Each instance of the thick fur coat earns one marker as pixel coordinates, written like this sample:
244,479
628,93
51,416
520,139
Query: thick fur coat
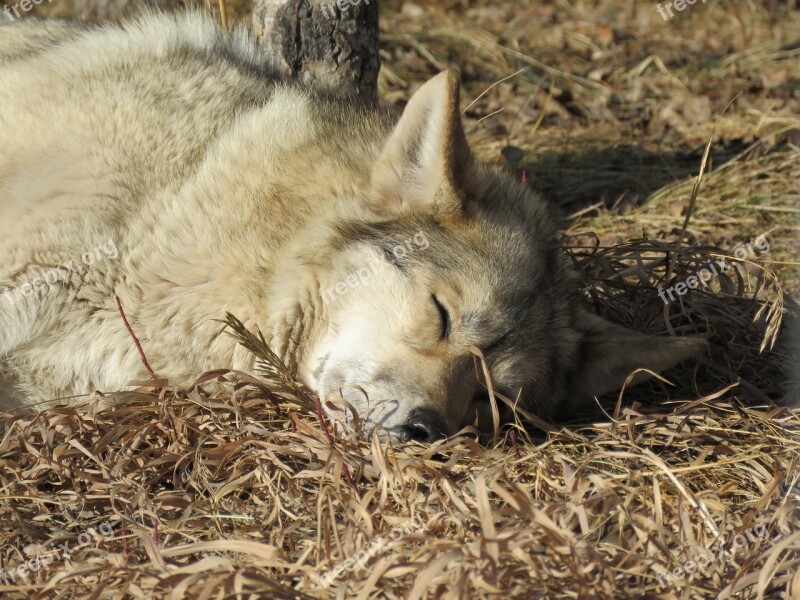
374,251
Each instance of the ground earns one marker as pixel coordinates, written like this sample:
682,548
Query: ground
607,109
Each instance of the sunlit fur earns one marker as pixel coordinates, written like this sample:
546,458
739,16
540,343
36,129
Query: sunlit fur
226,188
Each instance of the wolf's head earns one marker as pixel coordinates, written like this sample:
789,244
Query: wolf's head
456,256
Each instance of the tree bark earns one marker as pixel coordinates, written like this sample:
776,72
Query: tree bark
321,44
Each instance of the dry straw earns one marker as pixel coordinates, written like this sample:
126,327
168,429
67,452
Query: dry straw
237,489
243,490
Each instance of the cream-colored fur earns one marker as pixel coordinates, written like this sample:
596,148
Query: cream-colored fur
226,188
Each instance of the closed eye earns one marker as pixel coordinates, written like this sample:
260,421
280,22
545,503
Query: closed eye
444,317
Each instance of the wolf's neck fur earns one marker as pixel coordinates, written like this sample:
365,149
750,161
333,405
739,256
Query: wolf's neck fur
291,200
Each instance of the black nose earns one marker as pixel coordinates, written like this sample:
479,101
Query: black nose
423,425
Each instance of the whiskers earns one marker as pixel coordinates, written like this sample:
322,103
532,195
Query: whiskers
365,415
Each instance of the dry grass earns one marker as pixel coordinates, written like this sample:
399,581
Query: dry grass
243,490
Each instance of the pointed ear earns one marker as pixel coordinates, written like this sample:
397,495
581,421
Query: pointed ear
610,353
426,162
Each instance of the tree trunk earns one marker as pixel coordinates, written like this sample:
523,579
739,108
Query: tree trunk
331,44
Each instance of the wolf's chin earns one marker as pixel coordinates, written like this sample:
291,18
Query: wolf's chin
386,415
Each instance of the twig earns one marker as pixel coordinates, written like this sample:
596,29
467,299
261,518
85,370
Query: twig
513,435
696,186
487,90
124,532
135,340
223,14
490,388
332,444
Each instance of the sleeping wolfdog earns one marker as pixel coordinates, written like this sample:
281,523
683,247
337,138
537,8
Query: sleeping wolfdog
374,251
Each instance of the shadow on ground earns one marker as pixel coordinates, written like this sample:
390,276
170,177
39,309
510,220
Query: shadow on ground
621,177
